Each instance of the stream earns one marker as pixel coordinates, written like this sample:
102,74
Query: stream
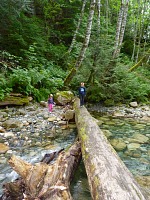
40,134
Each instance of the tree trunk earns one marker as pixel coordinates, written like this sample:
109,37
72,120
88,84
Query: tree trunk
144,58
84,46
121,24
108,177
78,26
47,182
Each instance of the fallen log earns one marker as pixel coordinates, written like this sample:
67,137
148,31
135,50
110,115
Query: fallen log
108,177
43,181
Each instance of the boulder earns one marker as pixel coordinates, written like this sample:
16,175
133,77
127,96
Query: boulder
64,97
133,104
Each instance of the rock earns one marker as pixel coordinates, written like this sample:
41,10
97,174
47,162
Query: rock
3,148
139,138
43,103
133,104
7,134
12,123
107,133
15,100
70,115
118,144
118,114
52,118
136,154
140,126
64,97
2,130
133,146
146,118
3,114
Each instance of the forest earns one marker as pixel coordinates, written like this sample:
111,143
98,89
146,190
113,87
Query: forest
52,45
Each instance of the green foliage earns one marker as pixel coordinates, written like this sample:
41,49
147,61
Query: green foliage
4,89
36,82
35,36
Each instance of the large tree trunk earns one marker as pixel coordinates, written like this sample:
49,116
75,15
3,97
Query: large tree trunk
46,182
108,177
84,46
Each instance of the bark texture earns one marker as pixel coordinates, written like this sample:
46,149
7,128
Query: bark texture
121,24
84,46
78,26
108,177
46,182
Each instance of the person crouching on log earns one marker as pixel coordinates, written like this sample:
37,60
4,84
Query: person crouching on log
82,93
50,103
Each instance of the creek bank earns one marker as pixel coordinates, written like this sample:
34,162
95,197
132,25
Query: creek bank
36,129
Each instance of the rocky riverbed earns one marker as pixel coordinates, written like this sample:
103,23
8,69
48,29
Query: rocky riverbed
30,131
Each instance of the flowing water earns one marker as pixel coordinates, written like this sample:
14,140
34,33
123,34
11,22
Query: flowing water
138,163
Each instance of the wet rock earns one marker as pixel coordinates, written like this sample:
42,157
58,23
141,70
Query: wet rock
118,144
139,138
133,146
136,154
107,133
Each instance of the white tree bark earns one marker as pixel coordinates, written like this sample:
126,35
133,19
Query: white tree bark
99,16
87,35
121,24
108,177
84,46
78,26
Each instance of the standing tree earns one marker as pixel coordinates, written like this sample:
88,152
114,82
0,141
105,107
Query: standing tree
121,24
78,26
84,46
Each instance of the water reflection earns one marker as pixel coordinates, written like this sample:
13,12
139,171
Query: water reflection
79,186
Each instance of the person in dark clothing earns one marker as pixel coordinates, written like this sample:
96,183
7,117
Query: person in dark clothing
82,93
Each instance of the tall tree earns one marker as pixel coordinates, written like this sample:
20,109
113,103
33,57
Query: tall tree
121,24
84,46
78,26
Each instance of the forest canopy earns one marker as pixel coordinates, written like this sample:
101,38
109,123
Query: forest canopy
49,45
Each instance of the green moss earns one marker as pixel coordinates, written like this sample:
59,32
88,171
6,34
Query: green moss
96,181
11,100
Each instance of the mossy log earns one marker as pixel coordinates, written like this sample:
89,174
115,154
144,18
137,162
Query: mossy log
139,63
46,182
108,177
14,100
